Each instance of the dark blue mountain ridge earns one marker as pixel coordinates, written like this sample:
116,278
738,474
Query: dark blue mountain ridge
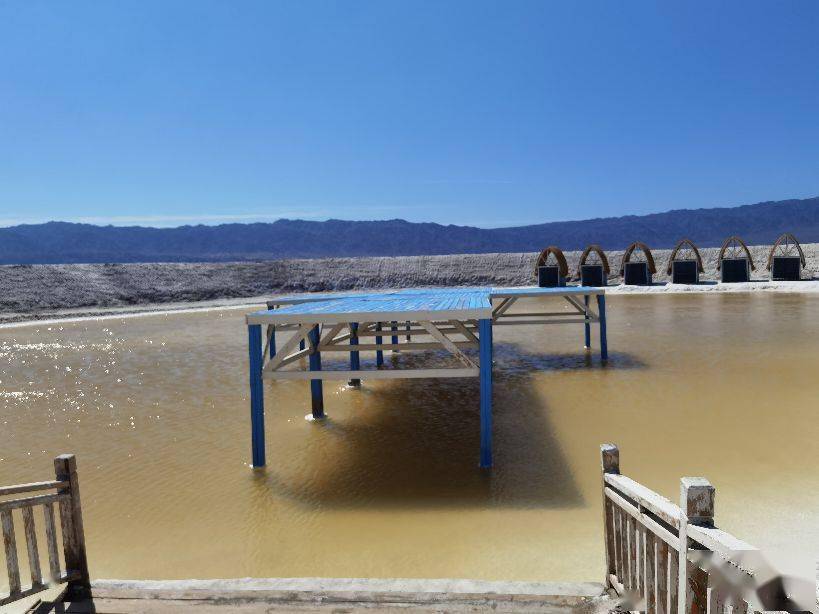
65,242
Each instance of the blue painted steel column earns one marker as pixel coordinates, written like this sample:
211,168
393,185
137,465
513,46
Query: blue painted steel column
601,307
272,340
394,328
355,361
379,355
485,338
409,328
254,337
316,391
587,325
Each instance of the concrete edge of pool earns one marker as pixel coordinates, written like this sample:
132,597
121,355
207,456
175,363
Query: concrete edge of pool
341,594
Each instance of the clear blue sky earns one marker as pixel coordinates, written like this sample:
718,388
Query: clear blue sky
481,113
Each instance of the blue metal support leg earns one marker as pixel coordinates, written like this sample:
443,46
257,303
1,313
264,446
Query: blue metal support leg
601,307
587,325
254,336
316,391
394,328
409,328
485,338
379,354
355,361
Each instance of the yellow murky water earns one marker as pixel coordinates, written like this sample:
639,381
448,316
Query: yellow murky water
156,410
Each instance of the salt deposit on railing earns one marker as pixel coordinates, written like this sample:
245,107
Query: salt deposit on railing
66,494
664,558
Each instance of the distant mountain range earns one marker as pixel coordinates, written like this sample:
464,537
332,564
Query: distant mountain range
63,242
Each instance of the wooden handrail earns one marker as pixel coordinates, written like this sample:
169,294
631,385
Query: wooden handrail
717,540
33,487
67,499
25,502
646,498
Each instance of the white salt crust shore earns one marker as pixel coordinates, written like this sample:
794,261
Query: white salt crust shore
793,287
807,287
58,292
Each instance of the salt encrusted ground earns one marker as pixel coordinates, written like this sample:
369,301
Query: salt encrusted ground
793,287
59,291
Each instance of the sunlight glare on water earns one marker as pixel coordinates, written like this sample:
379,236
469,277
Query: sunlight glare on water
156,410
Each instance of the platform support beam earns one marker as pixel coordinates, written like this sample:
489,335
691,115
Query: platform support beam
409,328
587,325
316,391
601,309
271,335
379,354
355,361
394,328
254,333
485,352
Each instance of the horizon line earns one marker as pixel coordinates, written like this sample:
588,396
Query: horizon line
164,221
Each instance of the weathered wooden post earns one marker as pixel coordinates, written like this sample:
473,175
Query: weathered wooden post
76,560
31,546
650,593
10,547
316,388
696,508
610,463
355,360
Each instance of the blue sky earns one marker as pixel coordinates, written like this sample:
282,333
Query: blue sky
480,113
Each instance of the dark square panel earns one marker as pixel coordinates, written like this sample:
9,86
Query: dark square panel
684,272
735,270
549,277
786,268
636,274
592,275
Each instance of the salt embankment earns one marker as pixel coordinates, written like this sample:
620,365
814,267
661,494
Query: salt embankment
44,291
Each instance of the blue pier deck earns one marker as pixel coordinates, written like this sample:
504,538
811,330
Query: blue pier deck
457,320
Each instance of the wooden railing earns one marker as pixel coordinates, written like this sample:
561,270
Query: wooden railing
667,559
66,495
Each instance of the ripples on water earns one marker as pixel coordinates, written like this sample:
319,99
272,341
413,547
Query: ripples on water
156,410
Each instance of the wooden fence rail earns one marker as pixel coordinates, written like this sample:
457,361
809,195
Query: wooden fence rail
669,559
66,498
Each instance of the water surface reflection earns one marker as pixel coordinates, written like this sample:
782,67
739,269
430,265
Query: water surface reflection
156,410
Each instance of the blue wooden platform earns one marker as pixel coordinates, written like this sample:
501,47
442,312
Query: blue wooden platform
465,303
310,297
456,320
490,292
